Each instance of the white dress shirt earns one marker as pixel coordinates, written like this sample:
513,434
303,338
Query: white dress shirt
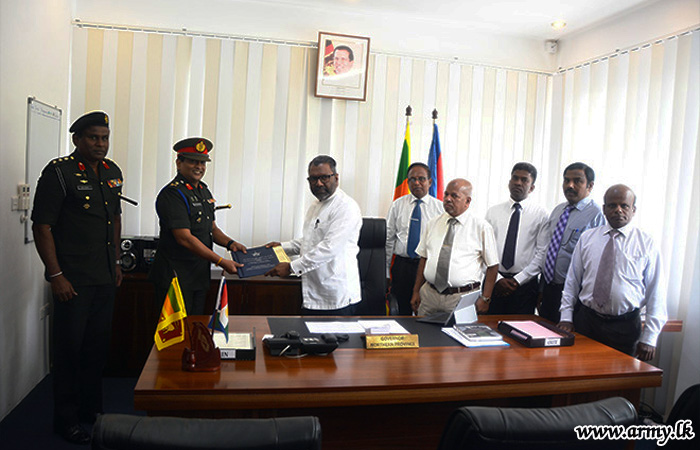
330,277
473,248
532,240
398,222
637,281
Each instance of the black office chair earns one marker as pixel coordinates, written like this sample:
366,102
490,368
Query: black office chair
686,407
372,263
124,432
490,428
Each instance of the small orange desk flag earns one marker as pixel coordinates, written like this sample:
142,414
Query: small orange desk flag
171,328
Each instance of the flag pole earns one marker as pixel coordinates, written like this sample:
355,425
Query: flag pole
186,323
435,116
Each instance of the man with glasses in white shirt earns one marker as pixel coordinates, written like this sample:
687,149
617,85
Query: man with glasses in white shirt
407,218
330,277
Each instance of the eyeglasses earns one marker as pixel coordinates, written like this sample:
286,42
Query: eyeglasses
418,179
324,178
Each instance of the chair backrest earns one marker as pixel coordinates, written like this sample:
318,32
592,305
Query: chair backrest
534,428
122,432
686,407
372,263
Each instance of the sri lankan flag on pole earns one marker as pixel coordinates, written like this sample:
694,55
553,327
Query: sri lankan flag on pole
401,188
171,328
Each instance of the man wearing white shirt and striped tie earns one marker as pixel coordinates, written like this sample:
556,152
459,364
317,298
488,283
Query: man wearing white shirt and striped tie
616,271
407,218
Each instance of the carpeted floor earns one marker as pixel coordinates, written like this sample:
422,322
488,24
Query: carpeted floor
29,425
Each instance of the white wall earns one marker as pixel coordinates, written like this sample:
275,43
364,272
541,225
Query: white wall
34,61
640,25
392,32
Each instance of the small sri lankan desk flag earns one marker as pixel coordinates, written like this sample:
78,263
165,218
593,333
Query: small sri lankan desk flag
219,319
171,328
401,188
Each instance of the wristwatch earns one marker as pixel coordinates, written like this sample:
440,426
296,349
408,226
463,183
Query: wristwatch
486,300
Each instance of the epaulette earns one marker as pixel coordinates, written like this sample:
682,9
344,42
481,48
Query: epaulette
62,160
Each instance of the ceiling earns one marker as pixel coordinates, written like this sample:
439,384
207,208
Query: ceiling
524,18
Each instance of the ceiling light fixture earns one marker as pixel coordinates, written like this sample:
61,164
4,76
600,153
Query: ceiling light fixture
558,24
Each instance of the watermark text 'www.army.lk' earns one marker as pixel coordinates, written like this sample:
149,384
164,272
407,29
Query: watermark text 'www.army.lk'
682,430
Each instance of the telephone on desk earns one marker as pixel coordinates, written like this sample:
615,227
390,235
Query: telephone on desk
293,344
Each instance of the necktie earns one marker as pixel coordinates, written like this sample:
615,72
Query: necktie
603,279
511,238
442,271
414,231
554,244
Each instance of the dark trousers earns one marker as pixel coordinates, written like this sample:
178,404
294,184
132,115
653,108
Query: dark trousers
81,332
194,300
403,278
551,301
522,301
618,332
349,310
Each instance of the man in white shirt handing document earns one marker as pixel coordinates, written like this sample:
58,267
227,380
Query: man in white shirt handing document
330,277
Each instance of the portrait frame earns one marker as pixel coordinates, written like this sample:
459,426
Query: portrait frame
342,66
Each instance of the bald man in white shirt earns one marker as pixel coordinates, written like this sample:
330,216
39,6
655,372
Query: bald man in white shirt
616,271
456,249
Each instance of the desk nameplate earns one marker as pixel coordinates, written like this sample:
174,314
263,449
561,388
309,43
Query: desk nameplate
381,341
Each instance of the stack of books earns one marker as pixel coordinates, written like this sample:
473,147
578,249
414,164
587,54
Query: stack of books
475,335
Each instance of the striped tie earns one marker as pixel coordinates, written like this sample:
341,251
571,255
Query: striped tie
555,243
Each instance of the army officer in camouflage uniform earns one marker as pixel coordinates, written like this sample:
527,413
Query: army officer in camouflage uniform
185,209
77,226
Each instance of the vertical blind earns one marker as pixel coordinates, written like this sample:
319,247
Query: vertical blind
255,102
634,117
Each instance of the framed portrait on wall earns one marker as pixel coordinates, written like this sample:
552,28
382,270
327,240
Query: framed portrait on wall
341,71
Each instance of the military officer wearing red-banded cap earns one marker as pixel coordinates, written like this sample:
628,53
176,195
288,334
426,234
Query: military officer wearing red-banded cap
188,230
77,227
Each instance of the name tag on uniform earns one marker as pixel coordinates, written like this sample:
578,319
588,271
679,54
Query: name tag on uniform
84,187
196,204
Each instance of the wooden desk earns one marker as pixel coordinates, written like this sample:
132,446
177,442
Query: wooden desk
389,398
136,312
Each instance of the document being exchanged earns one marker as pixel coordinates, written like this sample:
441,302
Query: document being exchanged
361,326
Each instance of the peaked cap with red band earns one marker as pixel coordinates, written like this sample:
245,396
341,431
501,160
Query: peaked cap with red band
194,148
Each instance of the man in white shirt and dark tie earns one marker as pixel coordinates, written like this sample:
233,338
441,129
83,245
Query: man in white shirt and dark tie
455,249
405,222
520,227
330,277
616,271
